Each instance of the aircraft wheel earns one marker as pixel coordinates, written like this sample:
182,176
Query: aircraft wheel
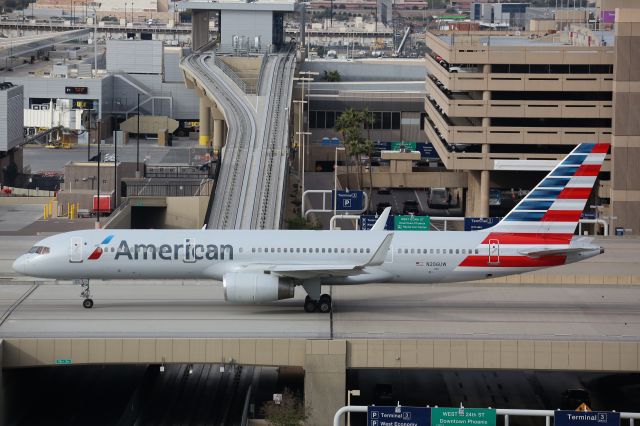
87,303
324,305
309,305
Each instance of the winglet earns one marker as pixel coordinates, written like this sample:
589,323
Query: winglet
381,253
382,220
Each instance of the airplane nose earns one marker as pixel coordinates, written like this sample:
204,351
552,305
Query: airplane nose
20,265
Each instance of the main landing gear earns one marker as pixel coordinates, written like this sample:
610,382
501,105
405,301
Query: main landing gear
85,293
321,305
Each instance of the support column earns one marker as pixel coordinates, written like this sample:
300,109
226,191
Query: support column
473,194
205,114
484,193
325,379
218,126
484,185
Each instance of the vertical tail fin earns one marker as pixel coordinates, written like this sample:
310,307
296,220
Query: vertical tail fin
556,204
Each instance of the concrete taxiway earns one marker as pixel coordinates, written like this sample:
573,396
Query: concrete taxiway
532,308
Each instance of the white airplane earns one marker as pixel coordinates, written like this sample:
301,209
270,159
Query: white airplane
258,266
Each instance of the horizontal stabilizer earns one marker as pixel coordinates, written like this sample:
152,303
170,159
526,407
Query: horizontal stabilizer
555,251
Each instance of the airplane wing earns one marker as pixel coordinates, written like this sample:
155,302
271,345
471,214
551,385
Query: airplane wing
302,271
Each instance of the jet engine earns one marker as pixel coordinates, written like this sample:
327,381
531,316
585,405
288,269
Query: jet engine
253,287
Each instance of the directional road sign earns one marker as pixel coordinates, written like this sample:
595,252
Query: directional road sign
367,221
398,416
411,223
409,146
463,417
349,201
477,223
590,418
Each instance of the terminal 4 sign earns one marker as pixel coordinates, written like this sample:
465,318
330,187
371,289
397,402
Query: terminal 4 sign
590,418
398,416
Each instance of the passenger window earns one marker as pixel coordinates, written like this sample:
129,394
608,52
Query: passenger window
368,250
304,250
361,250
240,250
464,251
450,251
298,250
406,251
477,251
285,249
317,250
430,251
273,250
348,250
457,251
399,250
253,249
341,250
437,251
323,249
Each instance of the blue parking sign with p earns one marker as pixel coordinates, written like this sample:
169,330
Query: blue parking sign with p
398,416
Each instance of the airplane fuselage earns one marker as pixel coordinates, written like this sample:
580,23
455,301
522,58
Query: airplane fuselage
413,257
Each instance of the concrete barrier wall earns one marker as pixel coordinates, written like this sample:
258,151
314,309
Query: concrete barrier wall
564,279
12,201
185,212
313,354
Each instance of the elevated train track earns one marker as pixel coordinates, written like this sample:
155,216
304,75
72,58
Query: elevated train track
252,179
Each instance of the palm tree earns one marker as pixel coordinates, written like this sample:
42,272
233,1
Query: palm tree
348,125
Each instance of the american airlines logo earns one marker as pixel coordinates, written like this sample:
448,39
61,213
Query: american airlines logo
187,252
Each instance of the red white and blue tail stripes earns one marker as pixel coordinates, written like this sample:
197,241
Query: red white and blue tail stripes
556,204
545,219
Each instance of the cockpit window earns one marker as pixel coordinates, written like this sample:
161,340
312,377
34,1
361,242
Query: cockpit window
39,250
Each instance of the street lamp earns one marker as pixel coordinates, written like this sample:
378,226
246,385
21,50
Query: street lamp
138,141
335,186
95,38
354,392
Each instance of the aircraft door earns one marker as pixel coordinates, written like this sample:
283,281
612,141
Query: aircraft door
494,252
189,255
75,251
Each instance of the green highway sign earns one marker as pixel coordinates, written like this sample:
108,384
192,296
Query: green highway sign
63,361
463,417
411,223
409,146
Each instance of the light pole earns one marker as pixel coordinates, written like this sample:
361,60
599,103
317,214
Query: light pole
335,186
138,141
95,39
97,226
354,392
309,77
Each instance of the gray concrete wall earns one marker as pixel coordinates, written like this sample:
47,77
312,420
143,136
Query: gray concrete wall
135,56
11,117
371,69
246,23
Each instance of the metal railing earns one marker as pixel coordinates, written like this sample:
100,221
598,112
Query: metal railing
505,412
153,188
249,89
